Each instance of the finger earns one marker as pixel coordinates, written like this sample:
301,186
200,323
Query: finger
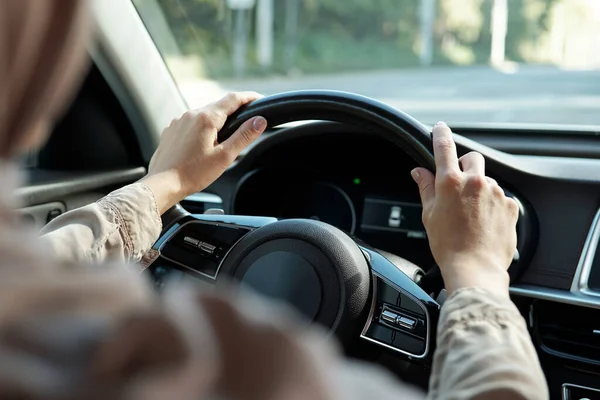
514,207
444,148
473,163
491,181
246,134
426,182
233,101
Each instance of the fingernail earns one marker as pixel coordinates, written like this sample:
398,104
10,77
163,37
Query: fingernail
415,174
259,123
441,123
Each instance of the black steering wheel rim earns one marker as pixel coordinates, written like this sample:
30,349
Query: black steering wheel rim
368,282
348,108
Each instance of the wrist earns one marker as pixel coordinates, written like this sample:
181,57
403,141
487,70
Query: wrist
475,275
166,188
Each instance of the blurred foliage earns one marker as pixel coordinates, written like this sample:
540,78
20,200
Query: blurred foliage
462,31
335,35
389,20
343,35
527,28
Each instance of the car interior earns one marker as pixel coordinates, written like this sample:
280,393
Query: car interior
324,216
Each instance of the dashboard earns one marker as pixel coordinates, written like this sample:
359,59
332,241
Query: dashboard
377,203
357,182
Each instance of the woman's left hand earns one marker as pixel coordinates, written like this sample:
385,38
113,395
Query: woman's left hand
189,158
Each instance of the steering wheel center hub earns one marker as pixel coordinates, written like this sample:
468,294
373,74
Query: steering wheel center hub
313,266
288,276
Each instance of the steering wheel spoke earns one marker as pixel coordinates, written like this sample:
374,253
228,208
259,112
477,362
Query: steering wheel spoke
199,243
402,317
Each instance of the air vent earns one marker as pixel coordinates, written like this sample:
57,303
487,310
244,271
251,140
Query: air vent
568,331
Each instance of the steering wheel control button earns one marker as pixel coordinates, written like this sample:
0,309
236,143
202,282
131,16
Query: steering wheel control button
191,241
397,320
389,317
207,247
406,322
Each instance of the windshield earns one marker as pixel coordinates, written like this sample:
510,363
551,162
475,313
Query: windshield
461,61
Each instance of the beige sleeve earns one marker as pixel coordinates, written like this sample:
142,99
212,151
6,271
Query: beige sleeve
119,227
484,351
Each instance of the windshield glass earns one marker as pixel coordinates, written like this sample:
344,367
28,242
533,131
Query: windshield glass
461,61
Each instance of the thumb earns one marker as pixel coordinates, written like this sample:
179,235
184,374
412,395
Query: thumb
426,182
246,134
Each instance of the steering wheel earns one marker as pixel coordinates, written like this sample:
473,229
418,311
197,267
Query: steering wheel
348,288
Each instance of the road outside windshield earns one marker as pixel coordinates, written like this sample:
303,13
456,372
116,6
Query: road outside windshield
461,61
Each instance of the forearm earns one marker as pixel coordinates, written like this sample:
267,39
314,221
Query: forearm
484,351
121,226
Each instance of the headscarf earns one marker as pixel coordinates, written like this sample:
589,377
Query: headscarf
42,57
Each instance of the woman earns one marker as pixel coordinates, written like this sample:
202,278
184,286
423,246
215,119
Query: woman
77,322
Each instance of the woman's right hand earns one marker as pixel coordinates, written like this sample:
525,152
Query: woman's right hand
189,157
470,222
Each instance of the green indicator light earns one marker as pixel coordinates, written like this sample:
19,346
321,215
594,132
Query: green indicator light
356,181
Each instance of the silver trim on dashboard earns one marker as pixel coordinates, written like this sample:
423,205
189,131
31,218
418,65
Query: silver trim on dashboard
584,267
372,311
559,296
566,386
